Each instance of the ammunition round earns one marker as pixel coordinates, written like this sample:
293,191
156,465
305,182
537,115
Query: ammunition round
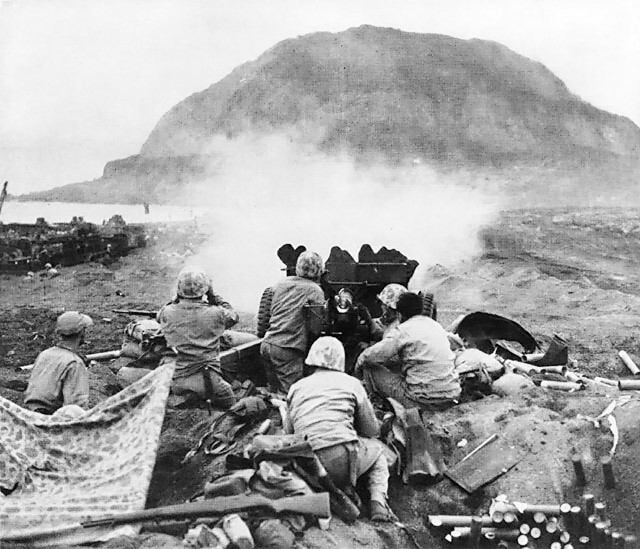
535,533
525,528
600,510
523,540
588,501
539,518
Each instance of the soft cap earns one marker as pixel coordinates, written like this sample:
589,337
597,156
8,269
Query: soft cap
72,323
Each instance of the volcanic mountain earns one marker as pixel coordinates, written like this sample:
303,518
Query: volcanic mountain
375,93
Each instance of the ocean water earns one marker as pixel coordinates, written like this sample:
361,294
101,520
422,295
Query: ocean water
62,212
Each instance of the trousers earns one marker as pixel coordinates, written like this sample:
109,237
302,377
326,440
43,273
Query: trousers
388,384
347,462
283,366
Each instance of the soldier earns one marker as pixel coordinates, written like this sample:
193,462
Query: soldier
288,337
59,376
389,319
196,329
332,411
413,363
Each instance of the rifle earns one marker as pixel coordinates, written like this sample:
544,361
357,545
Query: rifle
150,314
311,504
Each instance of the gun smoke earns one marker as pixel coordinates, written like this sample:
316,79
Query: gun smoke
267,191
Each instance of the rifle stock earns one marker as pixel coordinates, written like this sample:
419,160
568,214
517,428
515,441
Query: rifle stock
311,504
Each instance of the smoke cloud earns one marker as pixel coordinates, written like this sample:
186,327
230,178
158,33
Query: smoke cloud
268,191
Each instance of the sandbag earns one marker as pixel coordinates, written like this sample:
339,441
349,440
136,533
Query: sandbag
511,384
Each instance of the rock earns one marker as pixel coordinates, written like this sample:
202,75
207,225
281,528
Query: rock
273,534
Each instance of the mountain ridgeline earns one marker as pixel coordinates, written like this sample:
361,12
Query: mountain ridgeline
376,93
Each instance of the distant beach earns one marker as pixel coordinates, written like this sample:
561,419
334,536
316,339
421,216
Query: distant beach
60,212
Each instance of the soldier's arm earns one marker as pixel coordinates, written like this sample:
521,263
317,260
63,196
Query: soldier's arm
366,423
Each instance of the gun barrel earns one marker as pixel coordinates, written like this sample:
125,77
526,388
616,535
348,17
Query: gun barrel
139,312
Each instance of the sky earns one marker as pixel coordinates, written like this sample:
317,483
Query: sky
83,82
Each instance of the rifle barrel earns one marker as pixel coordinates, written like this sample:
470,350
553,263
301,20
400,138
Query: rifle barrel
311,504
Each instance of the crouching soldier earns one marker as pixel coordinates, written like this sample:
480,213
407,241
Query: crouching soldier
332,411
60,376
413,363
196,330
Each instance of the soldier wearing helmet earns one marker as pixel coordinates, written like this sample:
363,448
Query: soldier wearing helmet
332,411
288,337
389,319
413,363
59,376
196,324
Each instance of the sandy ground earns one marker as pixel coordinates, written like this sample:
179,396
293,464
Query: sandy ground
552,271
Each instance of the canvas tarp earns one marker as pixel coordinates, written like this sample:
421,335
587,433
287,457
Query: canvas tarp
64,472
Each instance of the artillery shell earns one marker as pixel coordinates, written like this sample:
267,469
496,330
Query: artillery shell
535,533
607,471
525,528
561,385
588,501
578,468
600,509
539,517
455,520
509,517
497,517
576,521
523,540
617,540
599,537
628,384
630,542
565,537
628,362
502,545
551,526
555,545
475,534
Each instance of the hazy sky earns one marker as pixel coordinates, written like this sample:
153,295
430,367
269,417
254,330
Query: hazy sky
84,81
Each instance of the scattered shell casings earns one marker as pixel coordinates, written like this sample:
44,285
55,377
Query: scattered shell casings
551,526
617,540
539,518
575,521
508,534
599,539
523,540
561,385
578,468
600,510
535,533
497,517
455,520
592,520
630,542
628,384
565,537
588,502
525,528
475,533
607,472
509,517
628,362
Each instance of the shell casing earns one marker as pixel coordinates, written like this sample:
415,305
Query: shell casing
607,472
578,468
588,502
